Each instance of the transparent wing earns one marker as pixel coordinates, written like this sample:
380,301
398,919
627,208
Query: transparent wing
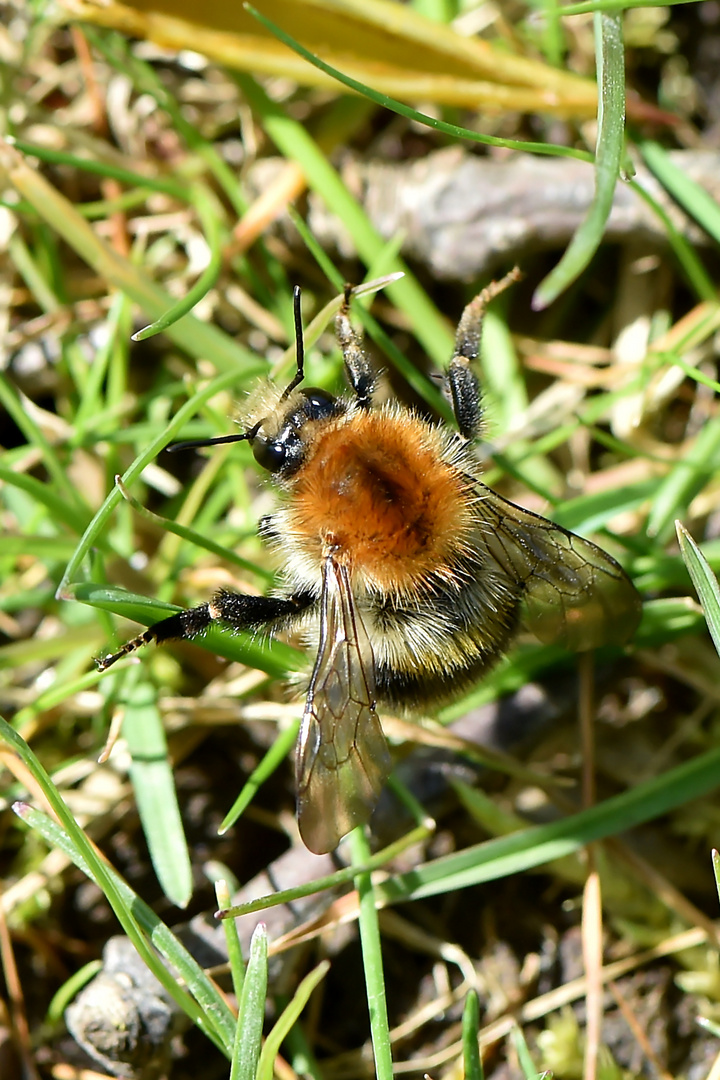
576,595
342,758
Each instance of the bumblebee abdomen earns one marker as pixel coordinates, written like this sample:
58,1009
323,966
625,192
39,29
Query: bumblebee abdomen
382,489
432,649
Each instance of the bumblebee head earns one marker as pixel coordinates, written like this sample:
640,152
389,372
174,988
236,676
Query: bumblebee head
278,440
279,424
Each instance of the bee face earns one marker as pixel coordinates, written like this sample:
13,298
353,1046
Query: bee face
407,572
278,440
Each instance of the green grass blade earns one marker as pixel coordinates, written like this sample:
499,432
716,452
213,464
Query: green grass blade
59,692
75,518
386,102
693,198
471,1047
610,55
208,214
277,753
587,7
206,1007
154,786
194,537
372,958
232,939
685,253
330,881
705,582
89,390
523,1054
251,1010
540,844
588,513
70,989
289,1016
165,185
30,428
688,476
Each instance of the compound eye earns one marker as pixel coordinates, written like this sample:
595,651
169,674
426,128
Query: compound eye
269,455
319,403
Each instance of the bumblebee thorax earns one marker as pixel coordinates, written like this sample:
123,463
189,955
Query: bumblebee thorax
384,487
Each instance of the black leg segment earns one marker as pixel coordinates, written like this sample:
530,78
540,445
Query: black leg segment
359,370
237,610
462,382
465,396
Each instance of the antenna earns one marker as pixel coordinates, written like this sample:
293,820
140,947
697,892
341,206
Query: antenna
299,345
194,444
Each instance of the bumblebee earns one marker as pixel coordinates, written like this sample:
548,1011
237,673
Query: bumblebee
406,574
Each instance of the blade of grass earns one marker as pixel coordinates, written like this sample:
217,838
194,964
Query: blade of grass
372,957
300,1053
197,539
610,56
154,786
60,691
698,376
30,428
407,111
206,1007
685,253
586,514
471,1047
251,1010
502,373
207,210
27,267
587,7
523,1054
277,753
716,872
705,582
289,1016
553,38
330,881
693,198
232,939
535,846
70,989
38,650
687,477
42,547
91,404
100,209
164,185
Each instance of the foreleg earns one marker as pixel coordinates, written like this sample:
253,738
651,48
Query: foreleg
461,378
359,370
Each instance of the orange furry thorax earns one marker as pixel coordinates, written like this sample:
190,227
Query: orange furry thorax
378,488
